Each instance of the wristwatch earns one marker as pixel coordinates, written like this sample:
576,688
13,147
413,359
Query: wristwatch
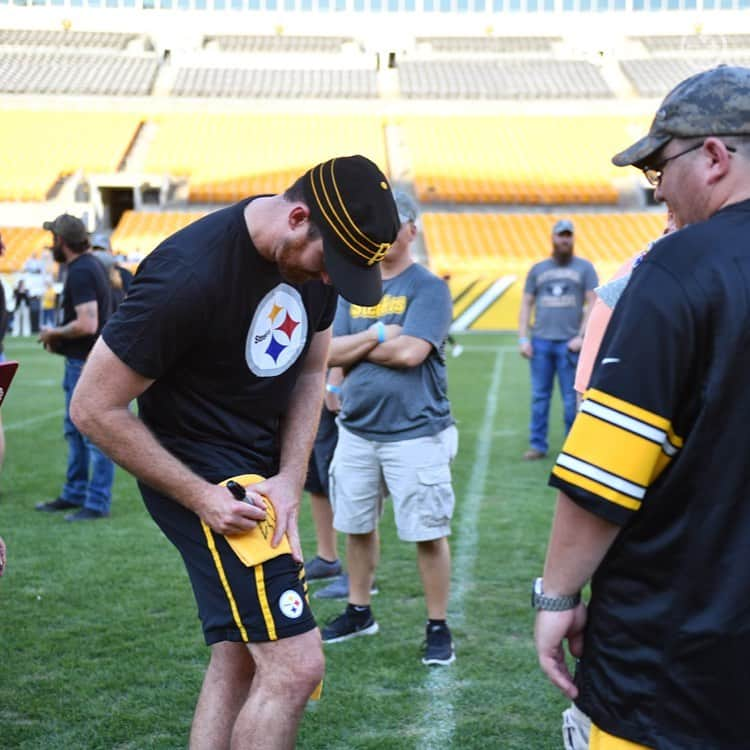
552,603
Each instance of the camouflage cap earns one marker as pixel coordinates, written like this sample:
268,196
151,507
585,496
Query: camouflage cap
714,102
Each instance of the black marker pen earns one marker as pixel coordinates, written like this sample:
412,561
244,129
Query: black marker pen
238,491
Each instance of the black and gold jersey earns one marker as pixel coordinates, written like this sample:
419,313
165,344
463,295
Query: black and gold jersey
660,447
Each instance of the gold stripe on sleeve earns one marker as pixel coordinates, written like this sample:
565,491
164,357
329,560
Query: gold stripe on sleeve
654,420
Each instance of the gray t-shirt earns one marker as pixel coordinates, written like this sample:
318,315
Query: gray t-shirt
387,404
559,293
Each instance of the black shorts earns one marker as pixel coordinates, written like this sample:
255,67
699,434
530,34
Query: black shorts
322,453
235,602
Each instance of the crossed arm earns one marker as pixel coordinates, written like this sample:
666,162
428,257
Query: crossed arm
399,350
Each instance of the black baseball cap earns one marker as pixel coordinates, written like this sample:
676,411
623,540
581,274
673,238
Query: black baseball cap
351,202
69,227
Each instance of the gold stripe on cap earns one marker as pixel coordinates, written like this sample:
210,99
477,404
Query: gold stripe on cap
370,254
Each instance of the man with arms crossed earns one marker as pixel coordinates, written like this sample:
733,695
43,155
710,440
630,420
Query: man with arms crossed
397,436
654,505
223,338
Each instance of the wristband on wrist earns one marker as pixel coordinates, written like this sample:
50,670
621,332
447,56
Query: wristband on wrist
380,329
332,388
523,340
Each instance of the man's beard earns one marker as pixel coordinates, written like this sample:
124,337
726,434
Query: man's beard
562,256
58,254
289,269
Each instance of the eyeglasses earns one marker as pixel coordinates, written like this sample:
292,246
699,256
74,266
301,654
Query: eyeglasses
654,174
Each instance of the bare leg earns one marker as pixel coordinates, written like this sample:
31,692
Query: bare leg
322,514
434,560
287,672
224,692
362,554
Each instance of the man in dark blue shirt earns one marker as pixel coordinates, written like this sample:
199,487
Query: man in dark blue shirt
86,305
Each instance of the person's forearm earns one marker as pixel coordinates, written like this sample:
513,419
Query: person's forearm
400,353
129,442
299,425
578,542
347,350
74,330
523,321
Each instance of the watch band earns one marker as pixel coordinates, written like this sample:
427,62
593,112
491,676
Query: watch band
552,603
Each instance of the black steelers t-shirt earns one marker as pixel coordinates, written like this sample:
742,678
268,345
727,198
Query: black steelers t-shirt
224,336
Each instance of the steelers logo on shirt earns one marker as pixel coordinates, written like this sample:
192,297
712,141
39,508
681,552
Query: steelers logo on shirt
278,332
291,604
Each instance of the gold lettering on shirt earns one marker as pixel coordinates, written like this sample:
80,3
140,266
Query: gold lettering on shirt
387,306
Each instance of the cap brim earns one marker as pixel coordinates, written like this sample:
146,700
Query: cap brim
638,154
358,284
49,226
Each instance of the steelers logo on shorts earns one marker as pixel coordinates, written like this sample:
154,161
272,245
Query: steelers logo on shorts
291,604
277,333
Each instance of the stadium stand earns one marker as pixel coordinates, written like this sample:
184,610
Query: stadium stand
58,38
487,256
39,147
20,243
688,43
278,43
500,79
487,44
656,76
230,156
51,72
139,232
516,158
231,82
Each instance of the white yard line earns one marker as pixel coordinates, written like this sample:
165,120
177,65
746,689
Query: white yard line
438,722
31,421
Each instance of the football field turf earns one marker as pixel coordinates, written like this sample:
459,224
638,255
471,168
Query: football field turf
100,646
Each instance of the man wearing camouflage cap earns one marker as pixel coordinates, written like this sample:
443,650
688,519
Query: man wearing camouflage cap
654,506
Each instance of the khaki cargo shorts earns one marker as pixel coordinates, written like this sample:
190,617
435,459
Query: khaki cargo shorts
415,473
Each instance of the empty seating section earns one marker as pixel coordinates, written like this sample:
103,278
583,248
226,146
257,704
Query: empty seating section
51,72
62,38
490,245
278,43
230,156
139,232
36,148
20,243
501,79
518,159
234,82
487,44
688,43
657,76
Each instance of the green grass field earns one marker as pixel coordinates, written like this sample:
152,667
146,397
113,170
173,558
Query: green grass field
101,648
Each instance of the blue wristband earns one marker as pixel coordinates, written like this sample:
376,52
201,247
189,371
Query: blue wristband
332,388
523,341
380,328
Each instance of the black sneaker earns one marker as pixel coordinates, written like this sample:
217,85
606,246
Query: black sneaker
345,626
438,646
54,505
86,514
319,569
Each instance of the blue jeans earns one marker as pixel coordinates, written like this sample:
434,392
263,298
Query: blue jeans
94,493
550,357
